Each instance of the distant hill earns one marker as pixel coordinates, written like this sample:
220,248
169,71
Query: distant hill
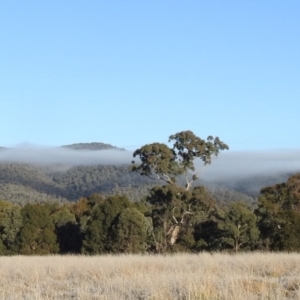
22,183
91,146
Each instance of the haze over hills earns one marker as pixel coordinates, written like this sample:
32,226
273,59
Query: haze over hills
66,173
67,155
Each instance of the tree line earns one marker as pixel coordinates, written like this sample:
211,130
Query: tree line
171,218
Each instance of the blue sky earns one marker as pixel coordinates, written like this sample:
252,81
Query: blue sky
134,72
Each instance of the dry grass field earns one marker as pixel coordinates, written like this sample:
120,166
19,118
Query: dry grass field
183,276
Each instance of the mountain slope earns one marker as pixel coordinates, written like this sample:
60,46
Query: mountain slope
20,182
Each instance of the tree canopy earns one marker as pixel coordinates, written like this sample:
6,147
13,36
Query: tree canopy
158,161
174,208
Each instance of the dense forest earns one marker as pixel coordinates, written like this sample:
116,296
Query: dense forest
169,219
120,209
23,183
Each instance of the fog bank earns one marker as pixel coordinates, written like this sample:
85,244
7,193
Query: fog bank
239,165
70,157
228,165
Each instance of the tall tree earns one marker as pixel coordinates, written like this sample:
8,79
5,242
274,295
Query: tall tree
174,208
175,211
162,162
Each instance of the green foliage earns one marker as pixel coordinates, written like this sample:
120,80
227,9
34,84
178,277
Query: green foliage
62,215
239,227
169,218
278,212
3,249
157,159
37,235
130,232
160,161
10,224
289,233
188,147
208,236
97,233
21,183
174,211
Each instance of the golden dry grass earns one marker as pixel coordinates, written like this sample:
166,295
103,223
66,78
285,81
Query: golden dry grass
182,276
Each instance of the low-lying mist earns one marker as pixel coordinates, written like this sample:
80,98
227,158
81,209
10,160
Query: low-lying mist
227,166
64,156
239,165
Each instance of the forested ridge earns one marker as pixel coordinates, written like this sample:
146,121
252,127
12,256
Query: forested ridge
119,209
22,183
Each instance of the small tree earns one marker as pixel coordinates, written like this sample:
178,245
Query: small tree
239,227
130,232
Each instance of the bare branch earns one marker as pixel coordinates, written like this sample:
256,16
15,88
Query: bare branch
168,180
184,214
174,216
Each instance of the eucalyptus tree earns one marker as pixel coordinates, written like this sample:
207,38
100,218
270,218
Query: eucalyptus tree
175,213
173,206
158,161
